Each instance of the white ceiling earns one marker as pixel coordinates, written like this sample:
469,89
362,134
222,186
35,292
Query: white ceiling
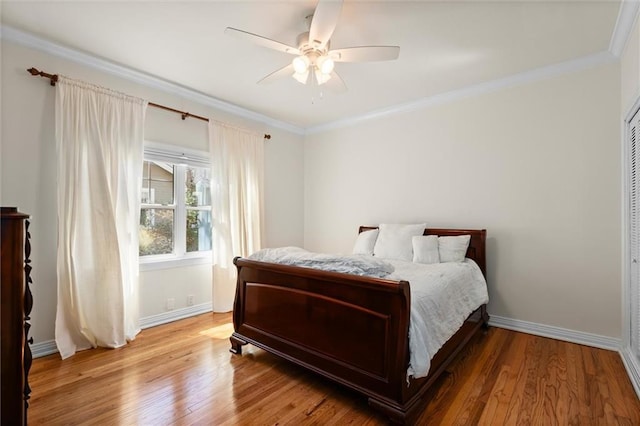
445,45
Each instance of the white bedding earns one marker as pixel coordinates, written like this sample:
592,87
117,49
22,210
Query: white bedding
443,295
356,264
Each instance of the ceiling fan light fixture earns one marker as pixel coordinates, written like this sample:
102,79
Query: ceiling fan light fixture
301,77
314,60
325,64
300,64
321,78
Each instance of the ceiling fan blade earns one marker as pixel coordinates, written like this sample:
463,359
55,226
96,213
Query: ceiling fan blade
262,41
286,71
335,84
365,54
324,21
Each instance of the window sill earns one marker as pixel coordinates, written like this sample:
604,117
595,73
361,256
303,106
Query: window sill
173,262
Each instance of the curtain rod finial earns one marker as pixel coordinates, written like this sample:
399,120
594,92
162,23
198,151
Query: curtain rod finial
53,78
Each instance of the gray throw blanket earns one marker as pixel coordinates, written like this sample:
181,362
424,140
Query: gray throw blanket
355,264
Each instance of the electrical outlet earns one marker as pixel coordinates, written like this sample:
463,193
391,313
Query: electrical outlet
190,300
171,304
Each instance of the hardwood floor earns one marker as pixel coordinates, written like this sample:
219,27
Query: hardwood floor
183,373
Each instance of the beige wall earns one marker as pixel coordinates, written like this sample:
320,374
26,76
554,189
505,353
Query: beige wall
537,165
27,174
630,70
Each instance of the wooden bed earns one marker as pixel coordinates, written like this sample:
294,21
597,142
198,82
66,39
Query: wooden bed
352,329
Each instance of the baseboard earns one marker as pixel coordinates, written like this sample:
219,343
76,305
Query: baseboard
558,333
633,368
49,347
175,315
45,348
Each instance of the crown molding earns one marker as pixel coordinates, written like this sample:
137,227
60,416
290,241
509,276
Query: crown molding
531,76
38,43
624,25
627,16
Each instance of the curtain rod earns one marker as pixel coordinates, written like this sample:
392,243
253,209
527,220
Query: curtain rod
53,79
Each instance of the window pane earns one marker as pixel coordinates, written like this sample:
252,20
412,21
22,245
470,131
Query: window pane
157,183
197,192
156,231
198,230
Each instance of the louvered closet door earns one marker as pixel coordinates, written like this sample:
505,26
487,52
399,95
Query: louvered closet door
634,228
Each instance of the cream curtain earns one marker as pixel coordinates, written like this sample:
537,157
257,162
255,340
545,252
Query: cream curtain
237,168
99,139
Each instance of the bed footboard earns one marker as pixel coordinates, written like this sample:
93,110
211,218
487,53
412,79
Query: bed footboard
349,328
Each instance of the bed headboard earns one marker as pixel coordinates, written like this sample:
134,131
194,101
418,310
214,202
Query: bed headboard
477,245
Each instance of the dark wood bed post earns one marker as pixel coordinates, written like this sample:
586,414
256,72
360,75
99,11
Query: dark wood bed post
485,316
236,341
236,345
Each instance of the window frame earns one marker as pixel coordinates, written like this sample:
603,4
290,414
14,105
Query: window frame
180,158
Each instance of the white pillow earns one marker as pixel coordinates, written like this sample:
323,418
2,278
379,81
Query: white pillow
365,242
453,249
425,249
394,241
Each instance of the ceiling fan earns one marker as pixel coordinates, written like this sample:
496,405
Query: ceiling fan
314,60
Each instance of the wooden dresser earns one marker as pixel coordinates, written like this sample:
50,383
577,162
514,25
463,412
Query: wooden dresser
16,302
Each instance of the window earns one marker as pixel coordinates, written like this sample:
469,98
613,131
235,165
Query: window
175,213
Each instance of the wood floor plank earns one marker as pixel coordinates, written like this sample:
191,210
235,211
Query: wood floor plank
501,394
503,398
472,381
183,374
517,362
